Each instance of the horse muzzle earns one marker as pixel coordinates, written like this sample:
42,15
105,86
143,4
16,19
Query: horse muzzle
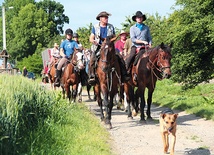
166,72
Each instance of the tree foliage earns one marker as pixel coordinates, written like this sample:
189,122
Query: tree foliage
55,12
29,28
192,34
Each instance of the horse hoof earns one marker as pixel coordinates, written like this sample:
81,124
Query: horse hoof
80,101
134,113
142,121
130,118
149,118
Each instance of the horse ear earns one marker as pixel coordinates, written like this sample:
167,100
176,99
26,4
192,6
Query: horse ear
170,45
162,45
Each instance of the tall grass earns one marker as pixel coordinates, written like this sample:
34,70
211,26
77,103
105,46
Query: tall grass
198,101
36,121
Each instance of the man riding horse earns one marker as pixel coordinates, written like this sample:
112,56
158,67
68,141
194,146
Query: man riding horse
66,51
140,35
99,32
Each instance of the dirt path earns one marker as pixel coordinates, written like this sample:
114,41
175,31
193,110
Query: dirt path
195,136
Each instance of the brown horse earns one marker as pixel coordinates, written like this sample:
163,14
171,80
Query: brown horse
108,77
52,73
153,65
71,76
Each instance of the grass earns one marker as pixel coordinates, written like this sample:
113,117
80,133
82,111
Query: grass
38,121
198,101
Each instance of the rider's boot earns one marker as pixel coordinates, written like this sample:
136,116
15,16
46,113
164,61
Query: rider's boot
57,80
124,75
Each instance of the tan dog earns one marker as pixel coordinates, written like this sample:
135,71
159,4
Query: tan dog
167,127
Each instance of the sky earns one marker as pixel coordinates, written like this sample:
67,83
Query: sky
83,12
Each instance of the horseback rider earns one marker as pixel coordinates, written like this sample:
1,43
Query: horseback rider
54,55
140,35
66,50
102,30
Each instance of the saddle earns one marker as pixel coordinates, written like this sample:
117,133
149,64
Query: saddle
139,52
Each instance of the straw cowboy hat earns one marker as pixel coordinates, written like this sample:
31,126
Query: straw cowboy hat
139,14
103,14
123,32
56,45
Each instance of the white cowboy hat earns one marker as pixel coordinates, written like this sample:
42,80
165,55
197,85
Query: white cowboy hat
123,32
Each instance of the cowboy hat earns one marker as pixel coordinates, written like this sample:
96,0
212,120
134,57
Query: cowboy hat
123,32
56,45
139,14
103,14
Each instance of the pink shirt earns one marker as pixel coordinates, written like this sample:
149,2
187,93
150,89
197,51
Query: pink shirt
119,45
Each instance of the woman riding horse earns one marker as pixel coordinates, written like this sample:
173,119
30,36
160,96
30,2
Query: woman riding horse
153,65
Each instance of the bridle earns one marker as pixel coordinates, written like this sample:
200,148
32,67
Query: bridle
109,70
159,67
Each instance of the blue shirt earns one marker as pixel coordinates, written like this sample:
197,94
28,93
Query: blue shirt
68,47
140,32
103,32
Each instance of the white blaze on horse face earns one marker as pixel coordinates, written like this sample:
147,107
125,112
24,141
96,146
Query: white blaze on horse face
80,64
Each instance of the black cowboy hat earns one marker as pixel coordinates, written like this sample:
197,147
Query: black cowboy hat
103,14
139,14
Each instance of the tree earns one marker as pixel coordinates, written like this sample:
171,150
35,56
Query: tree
84,33
55,12
29,28
192,32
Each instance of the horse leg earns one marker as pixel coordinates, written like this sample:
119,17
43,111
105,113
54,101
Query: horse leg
120,104
74,92
141,91
68,91
149,102
79,92
63,92
99,101
88,90
128,89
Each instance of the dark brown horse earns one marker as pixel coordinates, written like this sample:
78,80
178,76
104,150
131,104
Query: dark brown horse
71,77
153,65
108,74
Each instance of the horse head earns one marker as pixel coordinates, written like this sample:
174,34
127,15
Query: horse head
160,58
163,59
107,52
77,59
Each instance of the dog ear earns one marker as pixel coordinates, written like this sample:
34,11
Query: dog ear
162,115
175,116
